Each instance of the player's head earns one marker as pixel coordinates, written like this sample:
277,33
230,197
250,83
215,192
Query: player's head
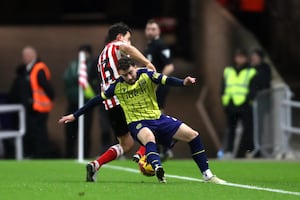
87,49
240,57
127,70
256,57
152,30
119,31
29,54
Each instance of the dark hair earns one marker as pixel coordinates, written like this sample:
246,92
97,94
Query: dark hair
241,52
115,29
86,47
152,21
259,52
125,62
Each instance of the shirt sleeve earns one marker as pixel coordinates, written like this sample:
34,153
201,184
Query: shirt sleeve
88,106
108,93
161,79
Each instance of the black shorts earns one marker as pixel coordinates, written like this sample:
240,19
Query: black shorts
118,121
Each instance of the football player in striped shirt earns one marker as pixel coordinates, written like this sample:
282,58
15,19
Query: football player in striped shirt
117,46
135,89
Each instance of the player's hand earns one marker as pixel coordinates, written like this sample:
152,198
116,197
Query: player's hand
189,81
66,119
151,66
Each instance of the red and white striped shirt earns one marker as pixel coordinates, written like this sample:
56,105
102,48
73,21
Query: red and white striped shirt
107,67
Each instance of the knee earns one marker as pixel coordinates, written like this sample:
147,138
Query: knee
127,144
145,135
193,135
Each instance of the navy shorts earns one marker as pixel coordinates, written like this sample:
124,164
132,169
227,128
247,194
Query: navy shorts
163,128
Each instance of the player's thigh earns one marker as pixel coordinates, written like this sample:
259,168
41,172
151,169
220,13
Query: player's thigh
145,135
118,121
185,133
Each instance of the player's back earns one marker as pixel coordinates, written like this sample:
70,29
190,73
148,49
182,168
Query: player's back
107,68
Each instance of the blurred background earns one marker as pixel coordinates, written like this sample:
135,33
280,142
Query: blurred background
202,35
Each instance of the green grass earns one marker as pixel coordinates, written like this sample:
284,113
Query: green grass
65,179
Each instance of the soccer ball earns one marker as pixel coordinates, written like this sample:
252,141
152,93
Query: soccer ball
145,168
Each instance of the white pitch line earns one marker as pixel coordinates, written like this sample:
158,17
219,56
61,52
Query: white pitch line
200,180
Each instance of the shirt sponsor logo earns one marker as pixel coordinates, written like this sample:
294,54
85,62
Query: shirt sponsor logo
135,93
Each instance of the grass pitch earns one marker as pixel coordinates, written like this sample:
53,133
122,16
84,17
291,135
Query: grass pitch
65,179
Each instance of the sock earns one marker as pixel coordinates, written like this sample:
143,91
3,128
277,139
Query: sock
207,174
198,154
141,151
112,153
152,156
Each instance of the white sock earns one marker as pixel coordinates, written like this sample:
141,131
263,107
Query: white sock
96,163
207,174
119,150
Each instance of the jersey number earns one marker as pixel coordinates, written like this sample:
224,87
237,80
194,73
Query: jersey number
108,71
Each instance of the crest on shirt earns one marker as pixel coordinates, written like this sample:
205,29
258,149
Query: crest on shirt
166,52
138,126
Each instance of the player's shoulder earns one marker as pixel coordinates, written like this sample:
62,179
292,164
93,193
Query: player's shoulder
145,72
119,43
159,43
142,70
118,80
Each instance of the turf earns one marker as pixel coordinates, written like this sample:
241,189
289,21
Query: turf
65,179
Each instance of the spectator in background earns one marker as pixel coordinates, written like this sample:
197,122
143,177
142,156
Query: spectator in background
238,92
16,94
160,55
19,93
70,78
33,89
71,85
262,83
263,77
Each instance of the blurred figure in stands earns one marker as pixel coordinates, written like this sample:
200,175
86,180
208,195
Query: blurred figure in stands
71,87
263,77
238,91
37,97
262,83
159,54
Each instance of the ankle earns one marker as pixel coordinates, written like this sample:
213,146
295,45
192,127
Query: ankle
96,164
207,174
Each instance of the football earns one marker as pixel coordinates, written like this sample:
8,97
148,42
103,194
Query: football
145,168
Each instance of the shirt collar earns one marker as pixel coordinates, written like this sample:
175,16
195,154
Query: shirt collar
30,65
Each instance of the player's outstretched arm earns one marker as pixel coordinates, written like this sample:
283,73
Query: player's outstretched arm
174,81
137,55
89,105
66,119
189,81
